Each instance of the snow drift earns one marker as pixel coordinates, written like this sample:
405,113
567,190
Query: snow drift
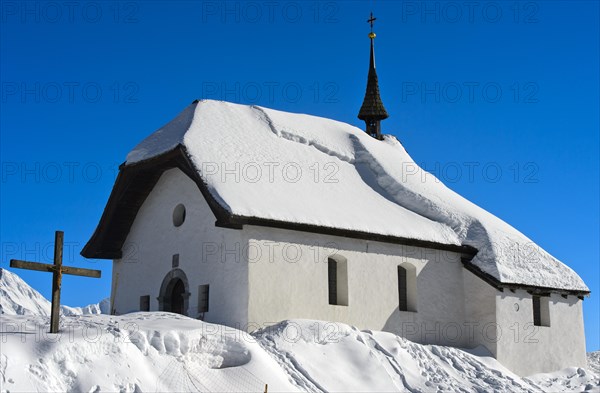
164,352
161,352
309,170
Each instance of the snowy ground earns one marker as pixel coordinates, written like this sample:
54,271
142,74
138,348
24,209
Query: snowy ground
156,352
165,352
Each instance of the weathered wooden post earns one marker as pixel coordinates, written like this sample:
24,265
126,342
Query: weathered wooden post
56,281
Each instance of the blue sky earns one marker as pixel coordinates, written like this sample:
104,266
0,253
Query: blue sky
499,99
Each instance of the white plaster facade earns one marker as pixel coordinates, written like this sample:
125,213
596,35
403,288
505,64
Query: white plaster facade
259,276
153,240
532,349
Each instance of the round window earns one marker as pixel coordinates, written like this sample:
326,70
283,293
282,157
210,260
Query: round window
178,215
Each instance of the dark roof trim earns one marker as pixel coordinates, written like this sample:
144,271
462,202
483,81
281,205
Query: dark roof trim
133,185
535,290
239,220
135,182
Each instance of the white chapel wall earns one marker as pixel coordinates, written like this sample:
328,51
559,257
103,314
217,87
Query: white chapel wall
288,279
207,254
528,349
480,312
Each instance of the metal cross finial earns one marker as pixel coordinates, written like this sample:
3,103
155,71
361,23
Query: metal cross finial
371,21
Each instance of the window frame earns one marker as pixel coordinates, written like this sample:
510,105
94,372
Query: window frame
203,298
145,303
541,310
337,281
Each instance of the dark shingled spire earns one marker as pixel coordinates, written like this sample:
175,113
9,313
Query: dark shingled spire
372,110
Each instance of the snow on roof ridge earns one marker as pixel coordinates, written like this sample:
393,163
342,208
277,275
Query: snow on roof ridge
165,138
295,138
360,158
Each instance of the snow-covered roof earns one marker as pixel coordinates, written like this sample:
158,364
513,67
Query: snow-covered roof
302,169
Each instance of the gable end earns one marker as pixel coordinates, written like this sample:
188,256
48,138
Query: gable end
133,185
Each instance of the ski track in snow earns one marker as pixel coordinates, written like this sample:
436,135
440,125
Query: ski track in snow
390,364
297,375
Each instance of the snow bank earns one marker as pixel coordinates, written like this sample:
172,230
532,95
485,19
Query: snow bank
572,379
167,352
155,352
594,361
336,357
18,298
146,352
259,162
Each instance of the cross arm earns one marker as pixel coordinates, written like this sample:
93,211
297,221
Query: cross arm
44,267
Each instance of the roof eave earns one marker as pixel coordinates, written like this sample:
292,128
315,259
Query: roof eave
533,289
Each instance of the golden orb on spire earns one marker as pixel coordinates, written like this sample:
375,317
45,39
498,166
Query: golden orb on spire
372,20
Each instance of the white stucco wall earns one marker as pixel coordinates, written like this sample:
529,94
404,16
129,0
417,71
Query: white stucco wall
504,321
259,276
207,254
480,311
528,349
289,280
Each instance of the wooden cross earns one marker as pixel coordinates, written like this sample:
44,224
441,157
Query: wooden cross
57,270
371,21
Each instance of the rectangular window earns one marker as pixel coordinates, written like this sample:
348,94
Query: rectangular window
175,261
337,279
541,310
332,274
203,298
536,311
145,303
402,289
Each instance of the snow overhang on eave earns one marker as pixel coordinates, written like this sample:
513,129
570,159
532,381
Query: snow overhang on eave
534,290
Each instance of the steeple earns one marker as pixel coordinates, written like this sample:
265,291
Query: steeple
372,110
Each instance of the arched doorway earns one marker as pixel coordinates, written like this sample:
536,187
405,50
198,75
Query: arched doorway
177,296
174,293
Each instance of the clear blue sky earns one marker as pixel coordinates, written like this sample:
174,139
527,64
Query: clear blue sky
499,99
